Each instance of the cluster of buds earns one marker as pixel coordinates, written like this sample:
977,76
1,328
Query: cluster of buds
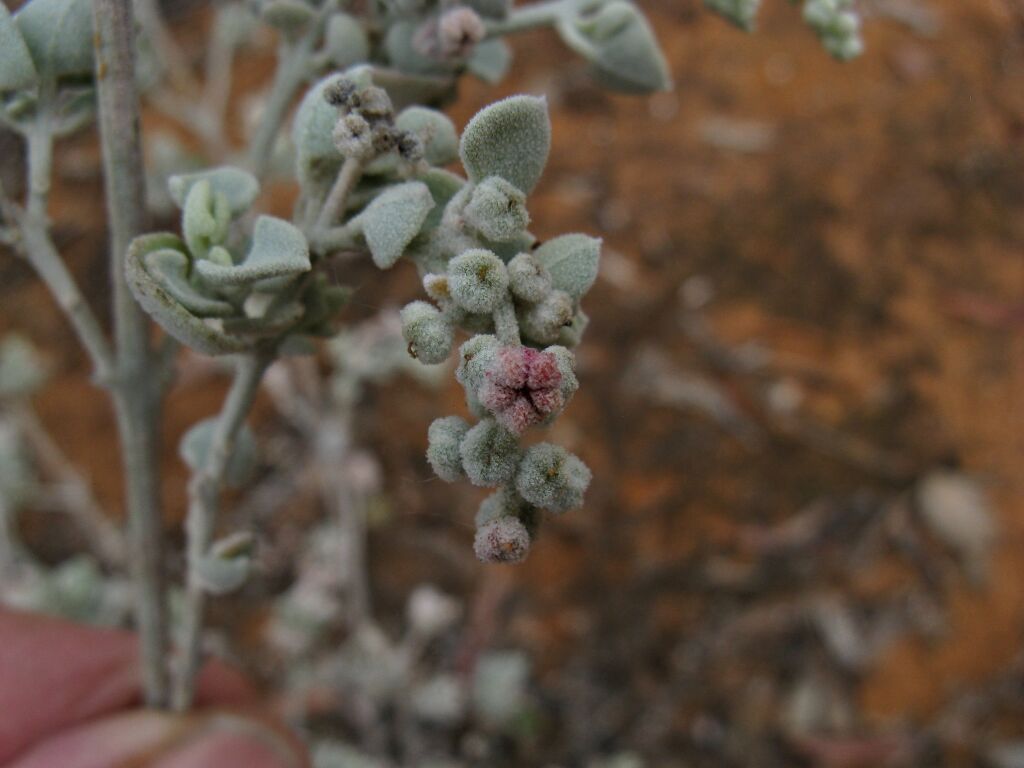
366,128
520,304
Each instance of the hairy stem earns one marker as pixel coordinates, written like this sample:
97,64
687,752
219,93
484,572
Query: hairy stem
506,326
204,496
40,168
137,401
337,198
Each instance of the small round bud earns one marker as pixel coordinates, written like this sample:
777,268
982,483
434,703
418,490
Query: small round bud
353,137
436,287
506,502
552,478
504,540
384,138
444,436
458,31
374,104
542,322
490,454
478,280
572,334
528,279
340,93
475,356
429,333
497,209
522,387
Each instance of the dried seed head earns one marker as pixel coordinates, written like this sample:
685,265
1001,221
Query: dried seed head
340,93
458,32
353,136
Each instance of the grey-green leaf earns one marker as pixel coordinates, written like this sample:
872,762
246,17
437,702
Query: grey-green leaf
16,67
572,261
393,219
618,41
195,446
58,35
202,336
278,249
511,138
170,267
490,61
239,187
345,41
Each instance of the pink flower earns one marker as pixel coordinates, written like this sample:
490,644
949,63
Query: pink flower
522,387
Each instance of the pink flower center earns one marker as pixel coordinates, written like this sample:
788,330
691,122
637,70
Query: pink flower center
522,387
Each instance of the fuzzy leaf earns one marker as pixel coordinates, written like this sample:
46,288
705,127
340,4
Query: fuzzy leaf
317,158
16,68
239,187
195,446
572,261
443,186
490,61
170,267
435,130
618,41
278,249
174,318
393,219
402,53
511,138
345,41
204,219
58,34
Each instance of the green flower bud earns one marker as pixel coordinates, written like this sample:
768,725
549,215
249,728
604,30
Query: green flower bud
444,437
428,332
504,540
476,357
528,279
477,280
497,209
552,478
543,322
490,454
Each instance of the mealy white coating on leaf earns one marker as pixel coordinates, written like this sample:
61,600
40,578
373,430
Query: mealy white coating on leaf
278,249
552,478
427,331
543,322
477,280
504,540
195,446
511,139
240,188
393,219
58,35
434,129
572,260
317,158
170,268
16,68
345,41
444,436
490,454
497,210
528,278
